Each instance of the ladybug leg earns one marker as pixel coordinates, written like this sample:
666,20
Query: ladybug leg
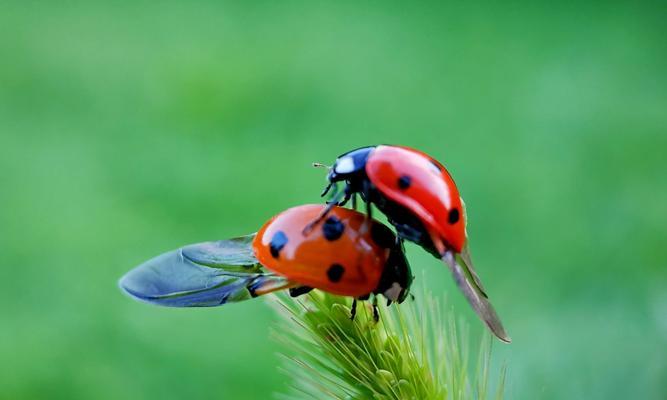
353,310
369,210
365,189
367,220
336,200
319,218
405,231
347,196
299,290
334,193
376,314
326,189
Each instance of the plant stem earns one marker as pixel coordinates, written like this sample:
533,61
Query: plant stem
411,353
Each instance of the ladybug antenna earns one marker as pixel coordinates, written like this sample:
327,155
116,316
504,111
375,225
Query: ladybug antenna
320,165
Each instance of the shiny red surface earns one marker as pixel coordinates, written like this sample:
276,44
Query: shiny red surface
431,195
305,259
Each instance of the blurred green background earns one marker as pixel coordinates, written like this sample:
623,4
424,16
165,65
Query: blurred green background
131,128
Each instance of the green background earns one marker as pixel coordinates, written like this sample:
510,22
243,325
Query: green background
129,129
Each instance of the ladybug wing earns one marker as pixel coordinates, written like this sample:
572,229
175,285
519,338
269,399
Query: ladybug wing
464,276
234,254
464,258
202,275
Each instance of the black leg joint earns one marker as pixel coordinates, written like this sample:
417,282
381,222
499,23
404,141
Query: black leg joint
299,291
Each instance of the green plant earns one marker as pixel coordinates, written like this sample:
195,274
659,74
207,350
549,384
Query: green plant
411,353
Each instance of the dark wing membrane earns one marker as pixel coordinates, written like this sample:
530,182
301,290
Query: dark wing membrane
202,275
475,296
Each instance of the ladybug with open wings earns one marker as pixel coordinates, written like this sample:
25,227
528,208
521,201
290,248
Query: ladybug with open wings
346,254
421,200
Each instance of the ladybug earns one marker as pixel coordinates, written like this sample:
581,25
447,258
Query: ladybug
347,254
421,200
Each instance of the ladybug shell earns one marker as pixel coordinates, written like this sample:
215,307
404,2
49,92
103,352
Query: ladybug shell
345,254
422,185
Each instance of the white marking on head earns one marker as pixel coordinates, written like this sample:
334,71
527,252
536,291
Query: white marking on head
393,292
345,165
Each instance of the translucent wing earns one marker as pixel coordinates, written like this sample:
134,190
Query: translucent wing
202,275
466,279
233,255
466,261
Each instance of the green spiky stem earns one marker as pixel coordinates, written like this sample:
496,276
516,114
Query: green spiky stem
412,353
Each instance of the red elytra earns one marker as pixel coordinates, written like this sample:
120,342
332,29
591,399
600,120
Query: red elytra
421,184
345,254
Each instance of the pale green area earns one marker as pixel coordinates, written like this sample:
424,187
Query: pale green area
130,128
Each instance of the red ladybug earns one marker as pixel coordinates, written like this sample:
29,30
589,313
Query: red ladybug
421,200
346,254
349,255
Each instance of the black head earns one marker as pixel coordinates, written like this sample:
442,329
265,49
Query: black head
350,164
396,278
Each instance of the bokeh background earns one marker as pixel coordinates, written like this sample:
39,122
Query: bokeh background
131,128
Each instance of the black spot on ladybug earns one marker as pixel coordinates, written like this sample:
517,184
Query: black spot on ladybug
278,241
382,236
335,272
404,182
454,215
332,228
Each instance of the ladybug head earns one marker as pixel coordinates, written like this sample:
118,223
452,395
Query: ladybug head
350,164
397,277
